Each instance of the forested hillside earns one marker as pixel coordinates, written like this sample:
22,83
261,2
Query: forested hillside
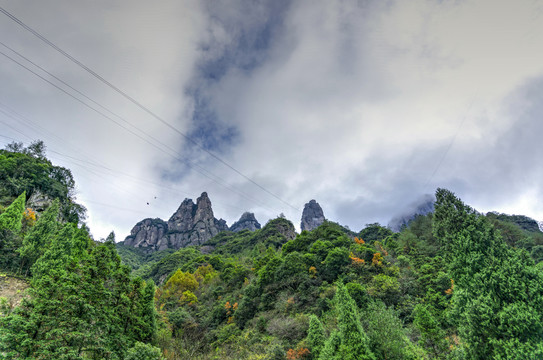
81,302
452,284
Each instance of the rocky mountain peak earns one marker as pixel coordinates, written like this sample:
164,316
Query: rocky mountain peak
148,234
312,216
247,221
204,212
182,219
191,224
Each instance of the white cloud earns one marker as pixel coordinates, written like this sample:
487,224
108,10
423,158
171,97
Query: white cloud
351,103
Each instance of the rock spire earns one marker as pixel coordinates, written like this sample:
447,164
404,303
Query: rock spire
312,216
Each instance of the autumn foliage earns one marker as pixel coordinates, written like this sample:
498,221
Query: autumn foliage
377,259
299,353
356,260
359,241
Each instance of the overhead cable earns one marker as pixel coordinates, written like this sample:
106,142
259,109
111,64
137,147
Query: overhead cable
138,104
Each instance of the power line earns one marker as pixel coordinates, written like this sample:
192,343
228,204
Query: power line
137,103
446,152
201,170
100,166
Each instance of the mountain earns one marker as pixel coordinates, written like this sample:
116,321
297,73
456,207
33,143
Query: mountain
247,221
312,216
522,221
423,207
191,224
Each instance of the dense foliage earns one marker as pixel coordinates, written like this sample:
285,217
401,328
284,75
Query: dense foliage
454,284
82,302
27,170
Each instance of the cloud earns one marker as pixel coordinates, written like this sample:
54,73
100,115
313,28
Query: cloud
362,105
373,105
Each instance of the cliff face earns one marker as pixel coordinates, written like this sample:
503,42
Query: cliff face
312,216
247,221
191,224
148,234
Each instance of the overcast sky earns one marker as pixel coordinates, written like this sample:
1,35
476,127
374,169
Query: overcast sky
365,106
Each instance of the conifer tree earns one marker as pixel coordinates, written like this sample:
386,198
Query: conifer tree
497,300
330,350
39,237
11,218
315,336
350,342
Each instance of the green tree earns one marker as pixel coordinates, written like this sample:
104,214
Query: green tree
11,218
432,336
39,237
82,305
497,300
386,334
353,342
315,336
141,351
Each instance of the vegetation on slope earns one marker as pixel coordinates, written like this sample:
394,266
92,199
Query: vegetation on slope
454,284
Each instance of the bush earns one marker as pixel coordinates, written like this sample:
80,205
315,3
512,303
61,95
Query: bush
141,351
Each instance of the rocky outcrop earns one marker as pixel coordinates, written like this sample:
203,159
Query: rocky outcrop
283,227
540,225
191,224
247,221
148,234
312,216
39,201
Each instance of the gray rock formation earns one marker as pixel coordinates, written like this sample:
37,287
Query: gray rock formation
148,235
247,221
191,224
312,216
540,224
39,201
283,227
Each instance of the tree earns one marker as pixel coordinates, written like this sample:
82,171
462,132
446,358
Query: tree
83,304
350,342
387,337
432,337
315,336
141,351
497,300
11,218
39,237
177,284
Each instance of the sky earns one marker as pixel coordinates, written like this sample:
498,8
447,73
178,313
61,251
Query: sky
365,106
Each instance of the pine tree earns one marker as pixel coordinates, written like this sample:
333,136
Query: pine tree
315,336
83,304
11,218
350,342
330,350
497,300
38,239
354,342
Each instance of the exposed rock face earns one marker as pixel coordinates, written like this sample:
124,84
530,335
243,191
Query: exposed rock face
39,201
247,221
284,227
148,234
540,224
191,224
312,216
